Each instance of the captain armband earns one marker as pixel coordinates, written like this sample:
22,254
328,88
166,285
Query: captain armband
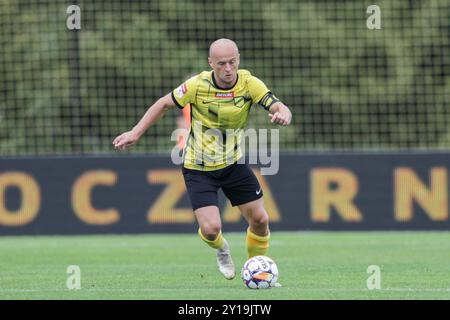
268,100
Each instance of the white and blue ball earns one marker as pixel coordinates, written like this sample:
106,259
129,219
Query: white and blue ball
259,272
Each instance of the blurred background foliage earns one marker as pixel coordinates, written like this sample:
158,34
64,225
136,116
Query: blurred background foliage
350,88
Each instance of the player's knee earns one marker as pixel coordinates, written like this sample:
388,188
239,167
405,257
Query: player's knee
211,232
261,220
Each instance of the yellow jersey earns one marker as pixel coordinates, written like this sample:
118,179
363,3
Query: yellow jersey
218,117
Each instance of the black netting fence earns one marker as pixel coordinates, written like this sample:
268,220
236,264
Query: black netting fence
350,88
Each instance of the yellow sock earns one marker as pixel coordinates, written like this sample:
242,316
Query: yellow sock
257,245
216,244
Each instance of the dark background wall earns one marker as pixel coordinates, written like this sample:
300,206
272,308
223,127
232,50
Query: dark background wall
401,191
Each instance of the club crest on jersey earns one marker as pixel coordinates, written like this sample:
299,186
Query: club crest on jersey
181,90
225,95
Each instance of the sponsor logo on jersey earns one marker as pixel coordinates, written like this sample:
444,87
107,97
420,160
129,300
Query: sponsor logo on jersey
181,90
224,94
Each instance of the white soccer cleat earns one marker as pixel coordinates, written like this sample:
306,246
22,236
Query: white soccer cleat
224,261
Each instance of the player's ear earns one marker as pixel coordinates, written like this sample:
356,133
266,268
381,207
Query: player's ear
210,62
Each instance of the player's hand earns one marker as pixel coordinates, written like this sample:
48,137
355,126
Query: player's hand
279,118
125,140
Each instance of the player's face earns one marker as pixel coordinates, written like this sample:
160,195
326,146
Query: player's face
225,67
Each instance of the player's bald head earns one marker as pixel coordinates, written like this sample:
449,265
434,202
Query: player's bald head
224,60
223,47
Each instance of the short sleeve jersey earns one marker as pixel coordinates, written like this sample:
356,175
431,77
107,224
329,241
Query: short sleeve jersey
218,118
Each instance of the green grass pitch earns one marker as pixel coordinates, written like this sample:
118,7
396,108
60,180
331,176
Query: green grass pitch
313,265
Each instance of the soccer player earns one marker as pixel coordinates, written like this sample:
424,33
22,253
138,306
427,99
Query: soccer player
220,100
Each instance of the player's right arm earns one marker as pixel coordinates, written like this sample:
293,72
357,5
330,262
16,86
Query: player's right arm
153,113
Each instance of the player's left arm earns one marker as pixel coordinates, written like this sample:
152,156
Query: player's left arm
279,113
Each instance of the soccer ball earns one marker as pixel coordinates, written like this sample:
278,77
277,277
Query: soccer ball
259,272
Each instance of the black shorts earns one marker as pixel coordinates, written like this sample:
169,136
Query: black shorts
237,181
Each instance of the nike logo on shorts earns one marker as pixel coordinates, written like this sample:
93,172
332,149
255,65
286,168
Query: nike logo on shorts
258,191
